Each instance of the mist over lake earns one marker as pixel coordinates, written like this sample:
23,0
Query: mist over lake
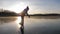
31,25
8,25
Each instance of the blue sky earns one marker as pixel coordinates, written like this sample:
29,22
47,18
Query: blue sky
36,6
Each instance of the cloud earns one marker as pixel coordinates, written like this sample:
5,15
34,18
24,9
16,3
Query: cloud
7,3
49,5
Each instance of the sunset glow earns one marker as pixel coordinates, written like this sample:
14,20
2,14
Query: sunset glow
18,7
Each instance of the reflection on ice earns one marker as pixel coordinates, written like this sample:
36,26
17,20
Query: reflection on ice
18,21
9,25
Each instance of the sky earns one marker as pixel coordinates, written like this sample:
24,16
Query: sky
36,6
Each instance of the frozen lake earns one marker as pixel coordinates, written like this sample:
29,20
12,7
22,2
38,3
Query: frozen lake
9,25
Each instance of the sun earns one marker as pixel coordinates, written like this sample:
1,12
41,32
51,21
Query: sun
18,7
